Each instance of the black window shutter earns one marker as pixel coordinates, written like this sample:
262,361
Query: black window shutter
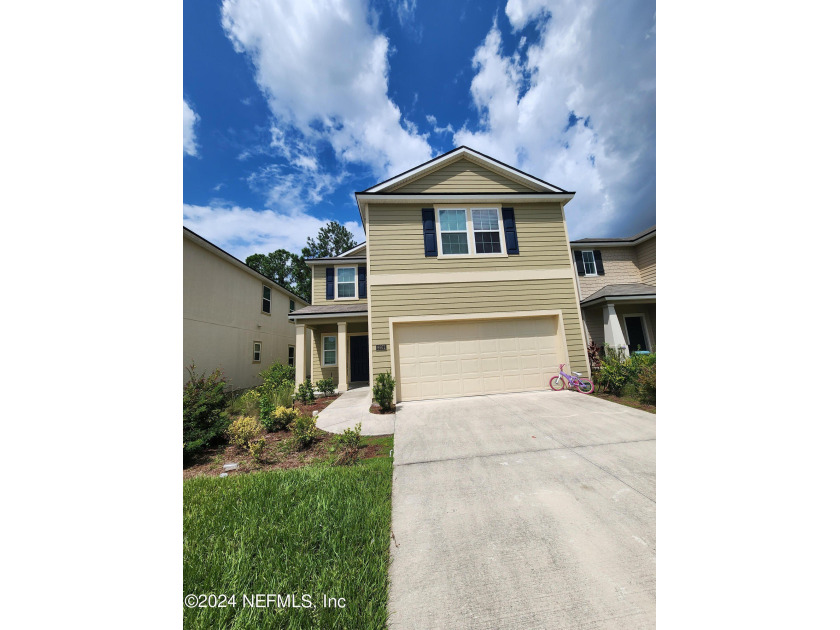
510,231
362,281
599,264
330,283
429,234
579,263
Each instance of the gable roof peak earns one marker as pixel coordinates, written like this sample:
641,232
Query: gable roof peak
464,152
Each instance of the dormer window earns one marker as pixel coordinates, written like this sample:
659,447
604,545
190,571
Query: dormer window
346,283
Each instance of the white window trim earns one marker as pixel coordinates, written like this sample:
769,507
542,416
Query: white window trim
324,350
294,356
470,232
292,306
262,297
255,351
355,269
591,251
645,331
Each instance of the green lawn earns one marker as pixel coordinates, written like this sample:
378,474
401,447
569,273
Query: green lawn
317,530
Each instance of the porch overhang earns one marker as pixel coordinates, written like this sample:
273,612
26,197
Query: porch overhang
635,293
327,313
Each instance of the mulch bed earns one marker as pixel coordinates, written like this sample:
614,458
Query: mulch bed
375,408
626,401
279,452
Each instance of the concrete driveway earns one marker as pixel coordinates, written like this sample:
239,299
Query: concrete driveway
530,510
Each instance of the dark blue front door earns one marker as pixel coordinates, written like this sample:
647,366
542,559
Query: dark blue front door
359,364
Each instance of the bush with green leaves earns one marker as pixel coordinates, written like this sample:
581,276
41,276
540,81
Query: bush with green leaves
615,372
244,430
266,407
383,390
347,445
305,394
304,431
326,385
276,374
646,383
245,403
283,395
205,419
256,448
281,418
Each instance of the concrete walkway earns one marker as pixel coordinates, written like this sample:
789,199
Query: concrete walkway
351,408
531,510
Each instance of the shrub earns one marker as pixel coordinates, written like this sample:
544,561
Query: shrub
305,394
243,431
326,385
646,383
276,374
281,418
615,371
383,390
245,403
347,444
204,417
256,448
304,431
266,407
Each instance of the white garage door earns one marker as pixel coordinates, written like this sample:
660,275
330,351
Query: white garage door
468,358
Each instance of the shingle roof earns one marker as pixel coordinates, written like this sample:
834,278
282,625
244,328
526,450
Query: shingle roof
330,309
618,290
337,259
628,239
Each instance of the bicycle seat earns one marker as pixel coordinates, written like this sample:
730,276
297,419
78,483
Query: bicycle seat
577,373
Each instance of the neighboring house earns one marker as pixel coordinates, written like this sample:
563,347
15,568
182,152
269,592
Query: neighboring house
617,282
234,317
464,287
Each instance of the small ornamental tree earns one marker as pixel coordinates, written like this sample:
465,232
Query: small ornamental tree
383,390
204,417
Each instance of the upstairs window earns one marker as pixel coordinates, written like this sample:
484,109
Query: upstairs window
589,263
453,232
346,282
291,355
291,306
266,301
485,224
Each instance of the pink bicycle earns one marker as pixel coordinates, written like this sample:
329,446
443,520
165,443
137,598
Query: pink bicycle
580,383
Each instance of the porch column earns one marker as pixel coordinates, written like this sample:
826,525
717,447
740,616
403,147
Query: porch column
342,356
612,328
300,353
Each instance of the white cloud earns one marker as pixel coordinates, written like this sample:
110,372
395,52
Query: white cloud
404,10
433,122
597,61
190,121
324,71
244,231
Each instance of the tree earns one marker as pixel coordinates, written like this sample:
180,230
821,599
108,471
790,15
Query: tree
290,271
286,269
333,239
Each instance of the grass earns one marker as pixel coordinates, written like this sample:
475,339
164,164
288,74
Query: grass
317,530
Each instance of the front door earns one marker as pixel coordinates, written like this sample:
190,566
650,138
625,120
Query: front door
635,334
359,364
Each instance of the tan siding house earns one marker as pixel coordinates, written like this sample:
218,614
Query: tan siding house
225,320
465,285
617,280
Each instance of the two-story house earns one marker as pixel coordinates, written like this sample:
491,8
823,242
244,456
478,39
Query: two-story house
234,317
617,284
464,286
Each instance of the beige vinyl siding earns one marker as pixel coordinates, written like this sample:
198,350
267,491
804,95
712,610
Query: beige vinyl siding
223,317
462,176
476,298
319,286
646,259
594,318
396,242
619,268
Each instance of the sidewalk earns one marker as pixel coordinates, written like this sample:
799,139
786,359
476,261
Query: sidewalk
351,408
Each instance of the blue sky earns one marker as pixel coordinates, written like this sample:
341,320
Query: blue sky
290,107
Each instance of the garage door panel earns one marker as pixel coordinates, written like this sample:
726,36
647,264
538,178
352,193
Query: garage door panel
445,359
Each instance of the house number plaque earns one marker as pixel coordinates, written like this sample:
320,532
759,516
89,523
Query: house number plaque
381,347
